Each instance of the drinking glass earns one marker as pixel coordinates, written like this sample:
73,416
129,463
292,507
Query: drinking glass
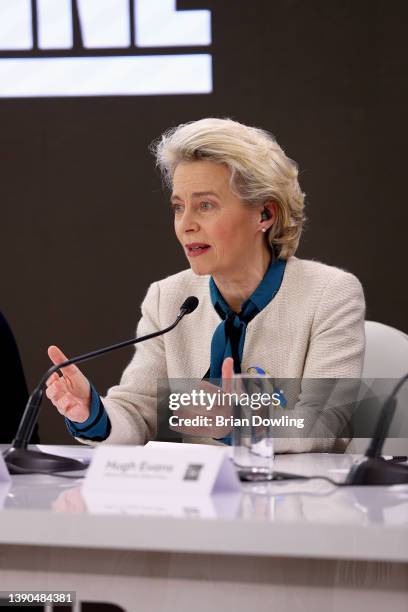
252,436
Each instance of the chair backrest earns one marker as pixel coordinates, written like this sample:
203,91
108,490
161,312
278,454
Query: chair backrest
386,354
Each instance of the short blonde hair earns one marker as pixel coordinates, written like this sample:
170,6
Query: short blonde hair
260,170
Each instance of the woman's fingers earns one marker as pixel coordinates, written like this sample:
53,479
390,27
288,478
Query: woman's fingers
63,399
58,393
57,356
52,379
56,390
227,373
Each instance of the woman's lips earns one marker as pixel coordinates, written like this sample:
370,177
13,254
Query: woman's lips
197,248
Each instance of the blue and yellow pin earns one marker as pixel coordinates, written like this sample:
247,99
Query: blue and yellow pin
257,371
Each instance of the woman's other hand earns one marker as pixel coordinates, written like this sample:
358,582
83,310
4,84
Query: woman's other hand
220,408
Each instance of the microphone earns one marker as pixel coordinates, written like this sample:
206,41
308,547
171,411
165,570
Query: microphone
189,305
373,469
21,460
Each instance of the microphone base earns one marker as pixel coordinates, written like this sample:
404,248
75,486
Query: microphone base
377,471
24,461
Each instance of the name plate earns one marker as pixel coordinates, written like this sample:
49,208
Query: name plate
201,470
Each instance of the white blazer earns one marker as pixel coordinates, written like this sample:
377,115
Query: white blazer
313,328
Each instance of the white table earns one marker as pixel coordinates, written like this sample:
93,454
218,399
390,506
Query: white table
277,546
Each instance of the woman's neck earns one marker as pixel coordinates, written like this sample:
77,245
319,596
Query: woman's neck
239,286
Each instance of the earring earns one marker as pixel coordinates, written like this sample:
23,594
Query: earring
264,229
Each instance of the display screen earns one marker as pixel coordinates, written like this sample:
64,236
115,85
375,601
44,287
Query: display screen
103,48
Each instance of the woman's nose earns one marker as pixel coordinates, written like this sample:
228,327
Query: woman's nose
189,222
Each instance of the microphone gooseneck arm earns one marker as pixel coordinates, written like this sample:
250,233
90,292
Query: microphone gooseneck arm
384,422
32,409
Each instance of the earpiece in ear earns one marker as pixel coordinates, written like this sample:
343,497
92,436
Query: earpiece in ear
265,214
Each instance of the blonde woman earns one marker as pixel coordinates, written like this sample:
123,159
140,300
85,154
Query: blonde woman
238,215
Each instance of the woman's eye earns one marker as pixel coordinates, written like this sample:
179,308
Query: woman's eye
205,205
177,208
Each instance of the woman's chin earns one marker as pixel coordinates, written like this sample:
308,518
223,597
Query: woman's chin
200,268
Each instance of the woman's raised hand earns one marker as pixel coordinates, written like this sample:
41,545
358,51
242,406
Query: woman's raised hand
220,408
71,392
